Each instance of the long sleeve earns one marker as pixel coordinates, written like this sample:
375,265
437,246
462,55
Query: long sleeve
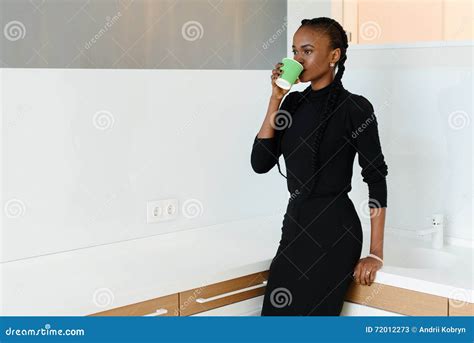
365,138
265,152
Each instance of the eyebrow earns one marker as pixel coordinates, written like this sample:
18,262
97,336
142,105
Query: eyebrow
304,46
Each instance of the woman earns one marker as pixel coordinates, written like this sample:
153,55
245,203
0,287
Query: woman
319,131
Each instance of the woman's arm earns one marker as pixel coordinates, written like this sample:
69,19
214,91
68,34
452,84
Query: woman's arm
264,151
365,138
377,225
267,129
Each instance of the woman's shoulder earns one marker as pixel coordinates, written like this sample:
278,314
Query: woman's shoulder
293,95
357,103
290,99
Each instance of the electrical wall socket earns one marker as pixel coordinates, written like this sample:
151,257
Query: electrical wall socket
161,210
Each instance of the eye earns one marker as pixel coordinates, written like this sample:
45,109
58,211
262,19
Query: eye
294,52
307,52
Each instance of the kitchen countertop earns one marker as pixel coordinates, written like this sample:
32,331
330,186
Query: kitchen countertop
95,279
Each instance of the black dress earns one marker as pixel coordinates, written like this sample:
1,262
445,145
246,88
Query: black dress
321,237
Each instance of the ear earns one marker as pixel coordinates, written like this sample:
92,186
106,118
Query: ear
336,55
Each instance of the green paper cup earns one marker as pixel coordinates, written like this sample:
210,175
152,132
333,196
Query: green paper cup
291,70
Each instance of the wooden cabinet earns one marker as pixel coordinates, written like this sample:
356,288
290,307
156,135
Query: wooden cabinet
158,307
460,308
399,300
222,293
404,21
244,296
247,308
197,300
350,309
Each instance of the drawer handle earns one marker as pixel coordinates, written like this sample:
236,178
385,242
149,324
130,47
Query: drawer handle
158,312
205,300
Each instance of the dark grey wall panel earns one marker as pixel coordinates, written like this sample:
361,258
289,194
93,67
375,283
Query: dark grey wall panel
149,34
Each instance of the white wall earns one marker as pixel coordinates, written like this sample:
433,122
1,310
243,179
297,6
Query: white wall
184,134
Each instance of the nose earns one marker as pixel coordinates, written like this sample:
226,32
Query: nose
299,59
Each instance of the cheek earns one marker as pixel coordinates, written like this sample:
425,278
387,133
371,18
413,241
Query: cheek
316,66
311,63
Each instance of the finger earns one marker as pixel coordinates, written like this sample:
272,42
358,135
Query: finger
358,271
363,277
367,277
354,274
357,275
372,277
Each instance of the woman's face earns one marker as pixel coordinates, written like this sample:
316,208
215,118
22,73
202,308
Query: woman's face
311,48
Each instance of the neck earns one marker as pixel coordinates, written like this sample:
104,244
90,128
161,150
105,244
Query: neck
322,82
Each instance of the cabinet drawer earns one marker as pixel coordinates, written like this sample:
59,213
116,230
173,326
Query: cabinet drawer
457,308
357,310
222,293
249,307
399,300
159,307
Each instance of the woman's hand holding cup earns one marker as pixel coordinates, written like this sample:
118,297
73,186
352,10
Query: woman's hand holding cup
282,86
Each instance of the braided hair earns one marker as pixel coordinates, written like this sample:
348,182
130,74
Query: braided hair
337,39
